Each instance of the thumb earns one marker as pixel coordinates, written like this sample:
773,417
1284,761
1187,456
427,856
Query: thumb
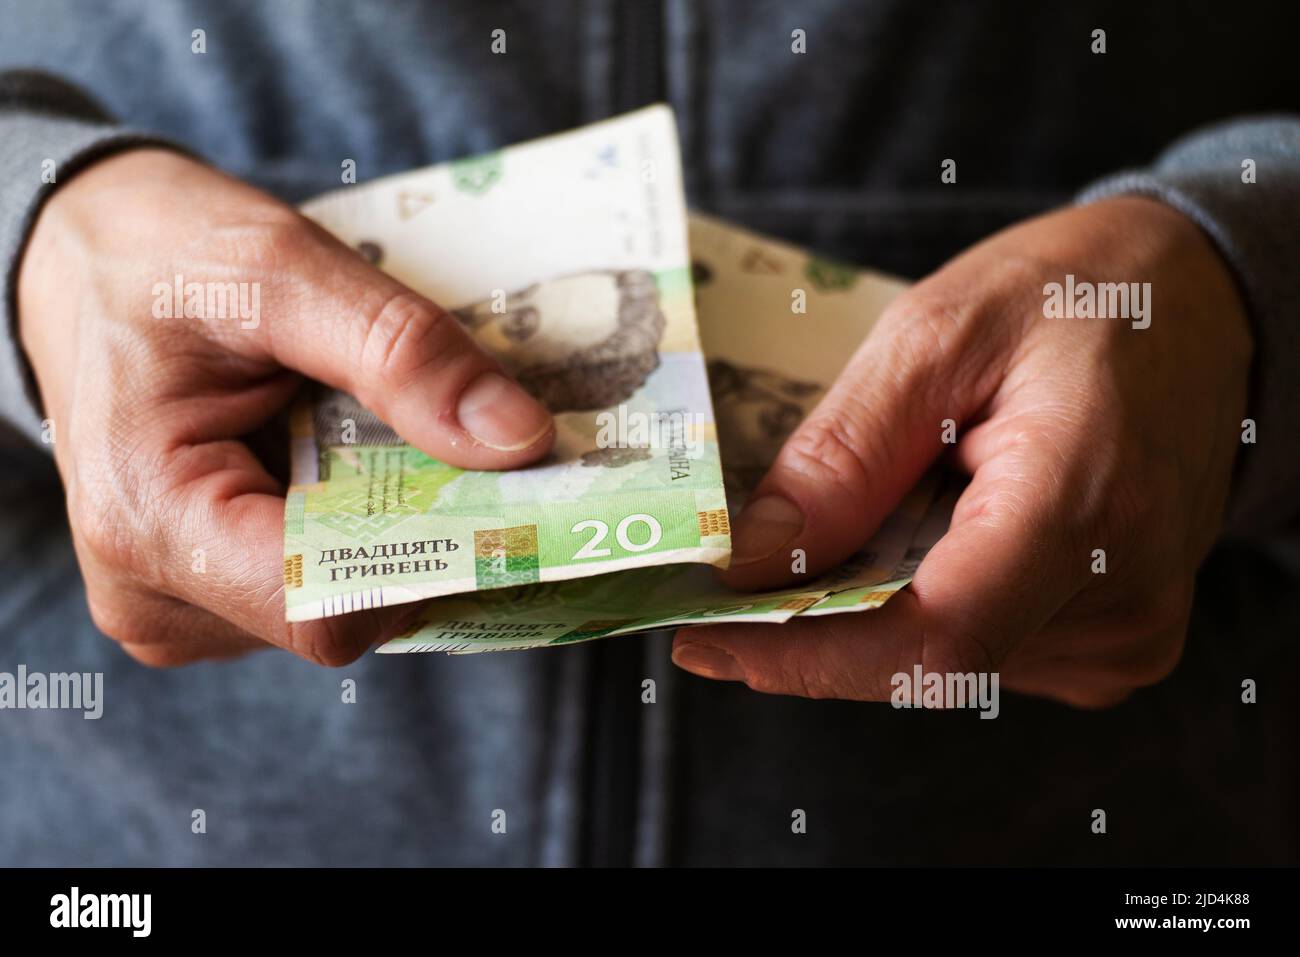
343,322
998,576
868,441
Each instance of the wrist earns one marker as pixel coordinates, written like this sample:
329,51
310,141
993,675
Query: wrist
1178,250
60,246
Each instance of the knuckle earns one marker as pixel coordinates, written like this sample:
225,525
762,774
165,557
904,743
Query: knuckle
828,450
325,642
129,533
1160,664
1165,611
1161,632
925,319
924,329
1126,502
940,353
804,681
115,619
811,670
158,656
399,338
114,508
278,238
103,531
956,656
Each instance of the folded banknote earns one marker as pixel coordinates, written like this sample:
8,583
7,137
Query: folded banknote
778,325
567,259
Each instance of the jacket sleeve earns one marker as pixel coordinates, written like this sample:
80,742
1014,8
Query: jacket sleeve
1240,182
49,130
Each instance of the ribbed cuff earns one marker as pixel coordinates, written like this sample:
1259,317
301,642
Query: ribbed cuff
49,129
1255,226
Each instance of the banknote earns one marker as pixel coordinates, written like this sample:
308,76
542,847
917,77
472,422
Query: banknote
859,593
567,259
778,324
650,599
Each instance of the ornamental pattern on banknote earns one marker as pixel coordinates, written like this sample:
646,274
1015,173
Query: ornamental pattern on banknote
379,492
829,275
294,512
293,571
713,521
506,556
478,174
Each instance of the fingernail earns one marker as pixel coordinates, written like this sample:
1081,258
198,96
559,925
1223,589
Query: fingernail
764,527
707,662
501,415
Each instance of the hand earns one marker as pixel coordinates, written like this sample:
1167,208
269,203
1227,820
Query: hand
1081,434
149,413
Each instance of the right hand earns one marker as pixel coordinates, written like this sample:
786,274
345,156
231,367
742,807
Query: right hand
149,414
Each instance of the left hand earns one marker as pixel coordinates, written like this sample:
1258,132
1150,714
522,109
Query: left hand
1081,434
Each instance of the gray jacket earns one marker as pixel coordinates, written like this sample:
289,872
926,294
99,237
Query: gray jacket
838,148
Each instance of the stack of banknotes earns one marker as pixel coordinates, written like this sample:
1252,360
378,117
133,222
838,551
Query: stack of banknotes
676,353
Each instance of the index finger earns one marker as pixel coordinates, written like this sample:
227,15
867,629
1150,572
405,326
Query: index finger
228,505
324,311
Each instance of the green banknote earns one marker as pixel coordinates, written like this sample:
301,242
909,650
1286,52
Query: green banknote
567,258
649,599
858,592
777,325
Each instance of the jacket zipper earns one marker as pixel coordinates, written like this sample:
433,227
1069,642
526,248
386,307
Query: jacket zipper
614,726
